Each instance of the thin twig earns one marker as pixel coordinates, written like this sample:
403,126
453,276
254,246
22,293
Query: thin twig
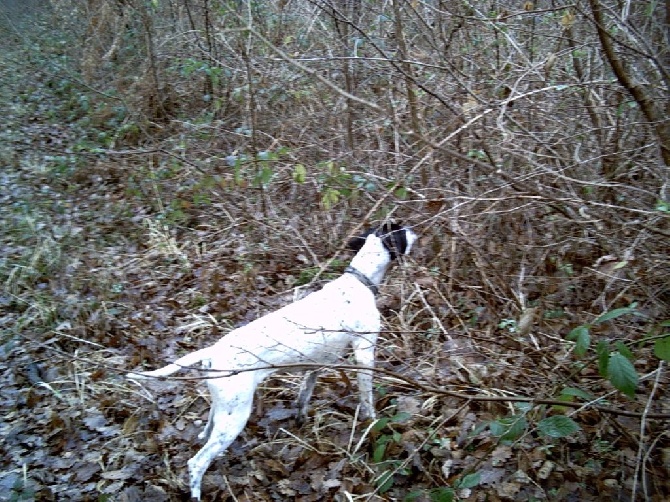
641,444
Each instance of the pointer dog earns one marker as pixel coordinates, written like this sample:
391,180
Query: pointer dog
315,329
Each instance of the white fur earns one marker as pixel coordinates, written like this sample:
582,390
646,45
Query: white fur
315,329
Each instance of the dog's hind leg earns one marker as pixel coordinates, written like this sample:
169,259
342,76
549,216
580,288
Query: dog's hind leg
208,428
305,395
230,411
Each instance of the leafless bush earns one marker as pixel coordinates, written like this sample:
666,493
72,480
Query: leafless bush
528,143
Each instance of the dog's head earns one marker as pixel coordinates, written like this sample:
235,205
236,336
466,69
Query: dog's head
397,240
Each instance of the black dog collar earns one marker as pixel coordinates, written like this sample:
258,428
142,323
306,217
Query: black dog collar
364,279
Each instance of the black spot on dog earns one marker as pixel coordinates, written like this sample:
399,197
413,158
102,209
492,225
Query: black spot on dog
392,235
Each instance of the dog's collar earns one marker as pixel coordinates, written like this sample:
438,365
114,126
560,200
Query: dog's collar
363,278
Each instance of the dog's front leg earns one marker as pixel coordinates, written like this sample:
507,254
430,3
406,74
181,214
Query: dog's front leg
364,353
367,399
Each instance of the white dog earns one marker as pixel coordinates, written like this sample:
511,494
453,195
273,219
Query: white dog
316,329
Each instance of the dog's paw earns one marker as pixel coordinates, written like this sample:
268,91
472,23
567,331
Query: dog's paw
300,419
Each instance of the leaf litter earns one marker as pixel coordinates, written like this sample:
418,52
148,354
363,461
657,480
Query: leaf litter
96,285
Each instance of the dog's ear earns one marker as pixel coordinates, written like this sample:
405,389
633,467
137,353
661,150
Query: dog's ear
394,237
356,243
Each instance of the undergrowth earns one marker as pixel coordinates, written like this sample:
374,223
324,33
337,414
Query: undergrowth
171,170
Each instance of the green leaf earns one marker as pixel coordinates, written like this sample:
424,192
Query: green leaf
267,155
574,392
624,350
403,416
558,426
523,406
509,428
480,428
574,334
442,494
477,154
581,336
264,176
662,348
299,173
621,373
412,496
380,424
385,482
468,481
613,314
329,198
401,193
497,427
379,451
603,351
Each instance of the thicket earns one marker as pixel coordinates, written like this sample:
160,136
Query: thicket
177,167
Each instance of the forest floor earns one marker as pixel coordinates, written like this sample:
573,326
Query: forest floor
95,284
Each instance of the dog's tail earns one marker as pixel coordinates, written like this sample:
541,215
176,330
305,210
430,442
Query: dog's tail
181,363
